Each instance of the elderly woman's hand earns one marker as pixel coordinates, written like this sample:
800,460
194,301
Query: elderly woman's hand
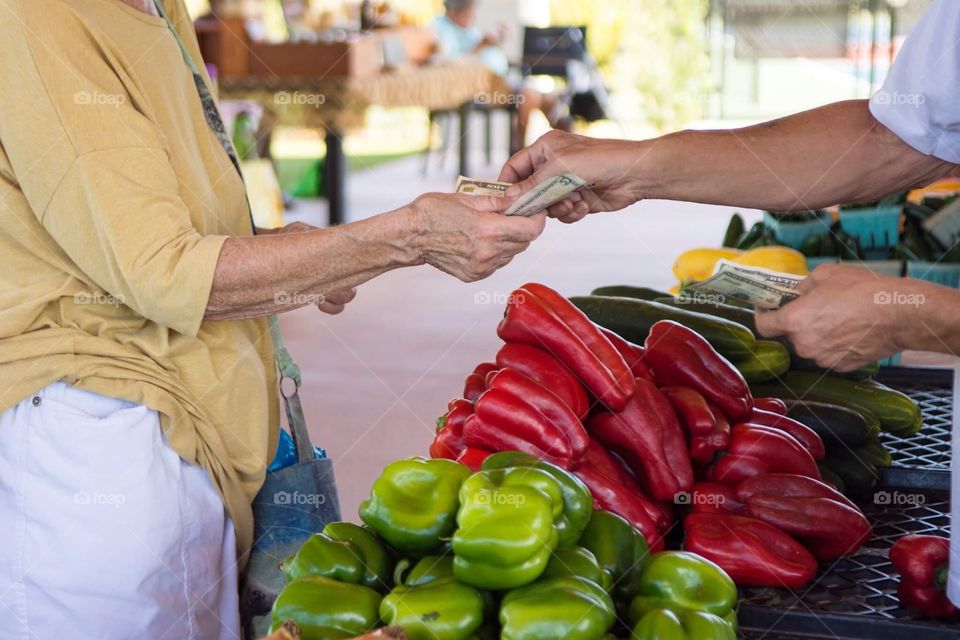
467,237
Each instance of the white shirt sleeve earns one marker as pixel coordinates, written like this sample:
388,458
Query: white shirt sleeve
920,99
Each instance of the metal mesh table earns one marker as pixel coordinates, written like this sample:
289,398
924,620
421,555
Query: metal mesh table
856,596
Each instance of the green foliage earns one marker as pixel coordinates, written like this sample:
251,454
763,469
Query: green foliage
653,54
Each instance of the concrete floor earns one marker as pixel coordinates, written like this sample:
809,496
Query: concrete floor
377,376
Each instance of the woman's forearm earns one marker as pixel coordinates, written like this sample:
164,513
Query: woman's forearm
836,153
265,274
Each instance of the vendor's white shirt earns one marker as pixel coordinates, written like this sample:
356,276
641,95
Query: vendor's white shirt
920,102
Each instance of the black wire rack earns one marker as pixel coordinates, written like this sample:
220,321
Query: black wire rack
857,596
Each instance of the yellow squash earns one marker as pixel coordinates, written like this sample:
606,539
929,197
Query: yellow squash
697,264
782,259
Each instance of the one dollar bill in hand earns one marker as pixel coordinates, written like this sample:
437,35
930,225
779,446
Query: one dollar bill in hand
545,194
763,288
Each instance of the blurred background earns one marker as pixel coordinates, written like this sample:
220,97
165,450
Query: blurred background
347,109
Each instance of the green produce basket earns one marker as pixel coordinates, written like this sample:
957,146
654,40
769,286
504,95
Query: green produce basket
892,361
793,234
876,228
945,273
885,267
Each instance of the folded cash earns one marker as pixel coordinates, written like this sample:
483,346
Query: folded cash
474,187
541,197
763,288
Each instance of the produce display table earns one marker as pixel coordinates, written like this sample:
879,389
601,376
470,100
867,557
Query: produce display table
337,105
857,596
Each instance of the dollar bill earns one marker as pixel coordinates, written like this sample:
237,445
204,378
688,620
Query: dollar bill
474,187
763,288
545,194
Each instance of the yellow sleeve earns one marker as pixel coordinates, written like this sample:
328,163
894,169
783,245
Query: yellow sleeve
94,168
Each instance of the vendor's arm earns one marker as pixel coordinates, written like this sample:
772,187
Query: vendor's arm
847,316
836,153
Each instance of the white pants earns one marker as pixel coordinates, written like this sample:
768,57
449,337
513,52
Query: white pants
105,532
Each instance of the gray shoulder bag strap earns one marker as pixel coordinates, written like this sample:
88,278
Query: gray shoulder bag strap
301,499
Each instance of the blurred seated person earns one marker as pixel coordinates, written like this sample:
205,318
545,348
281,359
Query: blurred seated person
457,37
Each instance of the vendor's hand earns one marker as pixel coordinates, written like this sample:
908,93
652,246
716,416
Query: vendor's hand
467,237
607,165
845,317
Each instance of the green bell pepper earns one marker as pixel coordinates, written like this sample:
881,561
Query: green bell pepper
377,561
577,499
619,549
507,527
344,552
580,563
561,608
682,581
326,609
426,570
663,624
413,504
442,609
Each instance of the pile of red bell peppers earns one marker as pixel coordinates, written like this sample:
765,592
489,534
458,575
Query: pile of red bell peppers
652,430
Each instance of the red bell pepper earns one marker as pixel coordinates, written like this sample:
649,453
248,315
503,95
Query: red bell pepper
713,497
600,462
519,414
473,458
448,442
681,356
819,516
922,561
692,409
633,506
804,435
647,434
632,353
773,405
703,448
754,553
476,382
543,367
755,449
538,316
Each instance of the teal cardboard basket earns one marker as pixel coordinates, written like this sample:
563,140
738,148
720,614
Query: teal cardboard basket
945,273
876,228
794,234
892,361
814,262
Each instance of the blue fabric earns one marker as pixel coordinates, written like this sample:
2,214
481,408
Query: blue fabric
287,454
457,42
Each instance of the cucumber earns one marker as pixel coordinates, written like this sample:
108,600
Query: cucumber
873,452
734,231
752,237
831,478
632,319
839,427
627,291
769,361
858,478
898,414
747,318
